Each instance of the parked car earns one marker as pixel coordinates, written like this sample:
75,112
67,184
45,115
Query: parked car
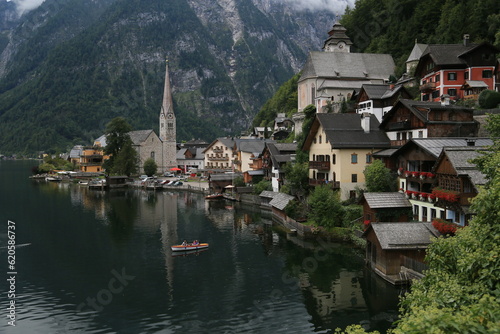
169,174
143,177
177,183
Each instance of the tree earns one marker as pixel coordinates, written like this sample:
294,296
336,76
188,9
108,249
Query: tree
297,180
126,161
488,99
150,167
378,178
261,186
325,208
116,136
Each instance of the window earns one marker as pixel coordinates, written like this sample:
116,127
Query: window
487,74
435,94
410,135
466,75
452,91
398,136
354,178
452,76
438,78
354,158
425,97
320,139
421,134
334,159
368,158
313,94
152,155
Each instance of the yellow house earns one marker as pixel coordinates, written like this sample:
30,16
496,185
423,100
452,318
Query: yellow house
340,147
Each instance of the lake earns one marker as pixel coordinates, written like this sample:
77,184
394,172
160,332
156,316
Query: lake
91,261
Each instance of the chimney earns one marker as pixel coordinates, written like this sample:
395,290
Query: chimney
466,40
471,141
365,121
445,100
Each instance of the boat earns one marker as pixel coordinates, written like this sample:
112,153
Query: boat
188,247
53,179
215,196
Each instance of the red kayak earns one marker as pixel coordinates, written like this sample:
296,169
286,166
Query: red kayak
188,247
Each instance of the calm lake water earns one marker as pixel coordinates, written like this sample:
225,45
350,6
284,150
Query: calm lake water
100,262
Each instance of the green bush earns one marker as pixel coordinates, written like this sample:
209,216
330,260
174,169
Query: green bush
489,99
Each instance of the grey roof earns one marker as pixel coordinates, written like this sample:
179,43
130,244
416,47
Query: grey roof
411,235
254,145
384,200
375,91
196,151
280,201
345,131
460,157
434,146
385,153
475,84
76,151
102,139
281,153
139,136
447,54
268,194
348,65
223,177
416,52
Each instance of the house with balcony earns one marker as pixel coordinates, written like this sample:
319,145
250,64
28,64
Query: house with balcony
92,158
415,163
379,99
219,155
340,147
416,119
274,158
457,182
445,68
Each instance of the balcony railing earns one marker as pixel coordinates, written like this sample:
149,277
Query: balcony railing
405,125
332,184
320,165
218,150
218,158
428,86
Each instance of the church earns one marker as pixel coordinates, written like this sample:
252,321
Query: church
163,148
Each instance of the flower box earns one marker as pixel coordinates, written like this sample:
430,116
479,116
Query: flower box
444,227
446,195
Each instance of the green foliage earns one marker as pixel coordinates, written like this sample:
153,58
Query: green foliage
283,101
239,181
116,136
375,25
325,208
489,99
150,167
297,179
351,213
125,162
378,178
261,186
490,160
296,210
46,167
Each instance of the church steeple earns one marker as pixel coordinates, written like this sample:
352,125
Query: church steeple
338,41
167,116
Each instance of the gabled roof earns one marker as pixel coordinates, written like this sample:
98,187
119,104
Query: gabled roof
268,194
421,108
345,131
434,146
381,91
348,65
254,146
139,136
416,52
228,142
76,151
411,235
459,158
281,153
386,200
280,201
474,84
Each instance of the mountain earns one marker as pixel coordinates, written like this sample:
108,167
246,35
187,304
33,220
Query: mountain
70,66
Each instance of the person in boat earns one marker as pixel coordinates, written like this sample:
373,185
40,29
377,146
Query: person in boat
184,243
195,243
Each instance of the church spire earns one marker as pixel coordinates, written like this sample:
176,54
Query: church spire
167,116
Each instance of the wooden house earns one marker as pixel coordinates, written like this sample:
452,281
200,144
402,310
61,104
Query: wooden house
386,207
415,119
379,99
396,249
274,158
458,181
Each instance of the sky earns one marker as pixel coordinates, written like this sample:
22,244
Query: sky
333,6
25,5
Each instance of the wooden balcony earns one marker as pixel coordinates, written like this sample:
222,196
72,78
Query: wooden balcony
319,165
332,184
427,87
399,126
218,158
218,150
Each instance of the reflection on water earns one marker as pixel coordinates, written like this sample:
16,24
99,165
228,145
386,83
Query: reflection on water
100,262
